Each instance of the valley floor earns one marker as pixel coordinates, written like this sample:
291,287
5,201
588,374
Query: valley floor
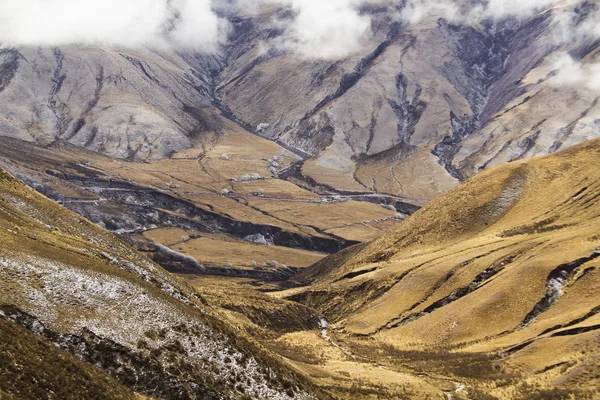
424,311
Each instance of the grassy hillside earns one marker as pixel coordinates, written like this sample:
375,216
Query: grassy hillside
495,283
33,368
81,289
489,292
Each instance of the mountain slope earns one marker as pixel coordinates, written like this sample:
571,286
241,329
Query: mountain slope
81,289
505,264
128,104
32,368
419,108
422,105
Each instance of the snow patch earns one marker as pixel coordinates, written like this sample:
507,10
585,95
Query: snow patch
259,238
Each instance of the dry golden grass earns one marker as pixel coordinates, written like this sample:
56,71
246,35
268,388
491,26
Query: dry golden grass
223,250
77,279
274,188
419,177
339,179
289,330
437,303
346,376
324,216
199,175
364,231
461,276
32,368
33,227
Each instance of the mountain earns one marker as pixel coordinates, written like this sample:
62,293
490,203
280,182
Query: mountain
499,272
127,104
75,297
489,291
346,199
419,108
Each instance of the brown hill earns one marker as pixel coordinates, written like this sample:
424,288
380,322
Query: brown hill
503,266
80,289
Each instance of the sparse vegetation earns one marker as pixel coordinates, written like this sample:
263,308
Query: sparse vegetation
31,368
88,293
402,324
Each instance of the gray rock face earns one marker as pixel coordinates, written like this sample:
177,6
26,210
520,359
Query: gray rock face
139,105
435,100
420,108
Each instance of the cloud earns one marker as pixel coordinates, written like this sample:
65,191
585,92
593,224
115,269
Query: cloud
417,10
497,9
129,23
574,24
326,29
569,26
571,73
460,12
320,29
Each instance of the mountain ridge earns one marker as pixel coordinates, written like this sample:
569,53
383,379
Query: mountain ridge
454,110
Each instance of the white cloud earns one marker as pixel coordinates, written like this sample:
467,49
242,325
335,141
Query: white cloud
111,22
322,29
417,10
326,29
575,74
569,27
460,12
515,8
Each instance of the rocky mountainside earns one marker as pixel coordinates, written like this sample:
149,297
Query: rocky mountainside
77,289
418,108
127,104
504,265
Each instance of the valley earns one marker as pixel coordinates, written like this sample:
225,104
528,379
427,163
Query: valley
83,291
387,318
205,194
489,283
367,199
496,298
